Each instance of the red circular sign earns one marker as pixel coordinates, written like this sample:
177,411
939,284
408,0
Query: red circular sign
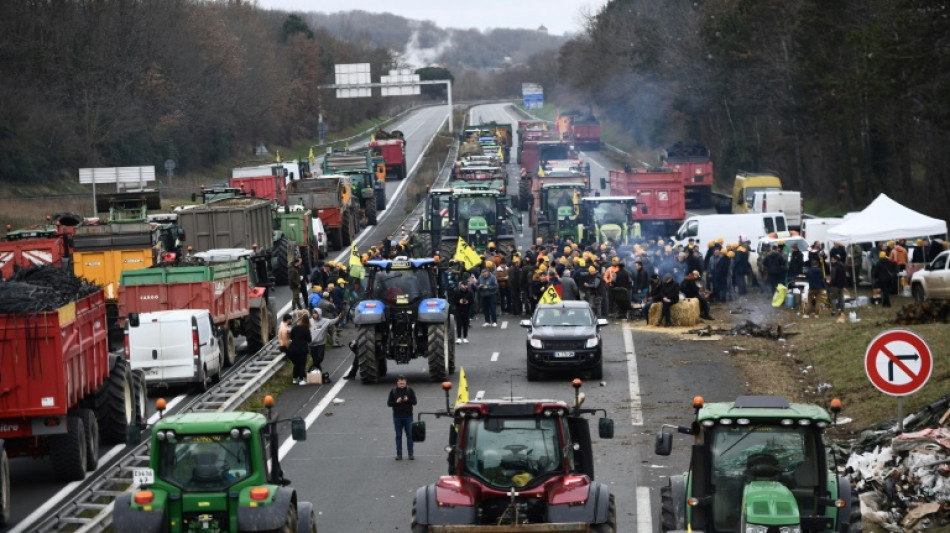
898,362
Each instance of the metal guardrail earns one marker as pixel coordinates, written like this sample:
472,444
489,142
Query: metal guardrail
90,510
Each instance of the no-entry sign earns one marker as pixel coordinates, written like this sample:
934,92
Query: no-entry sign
898,362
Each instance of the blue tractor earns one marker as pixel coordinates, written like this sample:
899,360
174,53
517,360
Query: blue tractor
401,317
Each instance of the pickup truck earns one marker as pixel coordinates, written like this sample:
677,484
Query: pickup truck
932,283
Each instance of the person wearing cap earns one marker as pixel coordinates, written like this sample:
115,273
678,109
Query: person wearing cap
796,262
691,289
514,285
653,296
775,269
669,296
883,275
319,329
299,348
316,295
488,295
722,281
504,292
462,299
596,291
742,270
641,282
338,295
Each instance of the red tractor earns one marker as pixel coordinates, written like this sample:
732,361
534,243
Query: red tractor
517,465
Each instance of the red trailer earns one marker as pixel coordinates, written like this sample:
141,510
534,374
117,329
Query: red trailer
34,246
585,132
264,181
692,159
546,147
391,146
661,205
62,391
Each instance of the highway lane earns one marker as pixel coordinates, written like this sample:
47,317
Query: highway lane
33,481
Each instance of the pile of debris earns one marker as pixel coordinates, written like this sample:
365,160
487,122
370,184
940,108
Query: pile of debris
747,329
927,312
904,479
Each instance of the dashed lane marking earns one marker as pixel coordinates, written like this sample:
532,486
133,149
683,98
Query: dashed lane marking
504,324
636,405
479,395
494,356
644,511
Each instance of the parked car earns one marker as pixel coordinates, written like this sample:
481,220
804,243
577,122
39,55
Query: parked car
174,347
564,336
932,283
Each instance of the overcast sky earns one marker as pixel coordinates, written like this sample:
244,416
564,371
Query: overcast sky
559,16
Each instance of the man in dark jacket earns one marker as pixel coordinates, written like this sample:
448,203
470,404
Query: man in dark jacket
641,282
401,399
690,289
653,296
839,279
775,268
514,285
882,275
816,287
670,296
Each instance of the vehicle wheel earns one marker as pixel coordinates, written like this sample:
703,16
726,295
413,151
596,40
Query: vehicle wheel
380,199
417,527
4,488
450,346
533,373
290,523
436,352
256,329
227,348
524,193
282,258
334,235
366,352
306,519
88,417
382,368
918,292
371,212
346,230
668,521
140,394
855,525
610,526
114,403
204,379
67,451
503,244
425,244
402,172
447,247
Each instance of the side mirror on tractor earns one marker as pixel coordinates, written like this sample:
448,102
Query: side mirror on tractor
664,443
133,434
133,320
603,183
298,429
605,428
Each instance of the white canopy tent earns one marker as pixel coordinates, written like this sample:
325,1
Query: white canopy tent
885,220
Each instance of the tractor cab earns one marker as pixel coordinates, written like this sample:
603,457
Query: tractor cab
559,209
480,217
608,218
758,464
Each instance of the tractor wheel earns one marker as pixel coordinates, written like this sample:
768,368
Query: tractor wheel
366,352
450,346
417,527
67,451
371,212
290,522
306,519
610,526
335,236
227,348
425,243
668,520
447,248
436,352
4,488
88,417
140,394
855,525
503,245
380,196
524,193
401,172
115,404
282,258
256,329
346,230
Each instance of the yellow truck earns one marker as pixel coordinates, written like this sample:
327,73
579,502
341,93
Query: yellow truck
743,191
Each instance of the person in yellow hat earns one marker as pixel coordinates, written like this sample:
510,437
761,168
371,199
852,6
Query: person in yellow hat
719,240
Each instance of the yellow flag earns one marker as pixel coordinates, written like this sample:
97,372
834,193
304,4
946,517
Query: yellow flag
313,159
501,155
278,156
463,389
550,296
465,254
540,171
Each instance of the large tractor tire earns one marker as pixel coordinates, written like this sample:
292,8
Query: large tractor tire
282,258
425,244
140,395
4,488
416,526
610,526
88,417
257,329
306,519
380,199
524,193
503,245
371,212
67,451
668,520
290,521
115,403
447,248
348,228
335,236
227,347
437,351
366,352
855,525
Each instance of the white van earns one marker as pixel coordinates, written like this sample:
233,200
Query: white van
788,202
174,347
752,226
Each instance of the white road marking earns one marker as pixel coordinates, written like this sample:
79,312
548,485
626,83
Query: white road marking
494,356
312,416
636,405
504,324
479,395
644,511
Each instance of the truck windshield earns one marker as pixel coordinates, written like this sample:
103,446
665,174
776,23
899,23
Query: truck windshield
560,198
401,286
512,452
553,151
610,213
741,454
204,463
469,207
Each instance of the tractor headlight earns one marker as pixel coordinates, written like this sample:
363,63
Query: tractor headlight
535,343
790,529
592,342
752,528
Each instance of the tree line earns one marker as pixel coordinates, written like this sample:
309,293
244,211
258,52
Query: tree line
136,82
844,99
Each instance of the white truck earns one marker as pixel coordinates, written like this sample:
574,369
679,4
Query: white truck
932,283
175,347
788,202
752,226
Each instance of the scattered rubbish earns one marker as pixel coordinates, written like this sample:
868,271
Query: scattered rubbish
338,401
603,383
822,387
926,312
749,329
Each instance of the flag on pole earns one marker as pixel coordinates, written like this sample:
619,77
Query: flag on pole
501,155
465,254
540,171
550,296
278,156
463,389
356,266
313,159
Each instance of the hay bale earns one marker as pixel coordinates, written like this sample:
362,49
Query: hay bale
683,314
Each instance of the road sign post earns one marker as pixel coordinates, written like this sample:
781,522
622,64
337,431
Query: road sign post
898,362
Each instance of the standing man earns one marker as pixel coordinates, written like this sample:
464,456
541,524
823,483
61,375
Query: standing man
838,280
488,294
401,399
298,301
461,305
283,333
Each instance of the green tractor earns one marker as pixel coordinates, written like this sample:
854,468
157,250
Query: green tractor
758,465
607,218
559,209
209,472
478,216
368,174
